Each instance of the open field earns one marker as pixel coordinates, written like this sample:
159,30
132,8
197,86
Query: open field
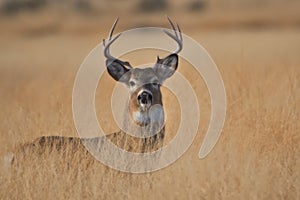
256,157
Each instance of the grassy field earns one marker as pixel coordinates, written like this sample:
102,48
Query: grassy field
256,157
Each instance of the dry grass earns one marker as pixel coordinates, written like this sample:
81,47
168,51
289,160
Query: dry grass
257,156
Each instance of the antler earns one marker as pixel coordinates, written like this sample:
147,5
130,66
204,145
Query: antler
177,36
110,40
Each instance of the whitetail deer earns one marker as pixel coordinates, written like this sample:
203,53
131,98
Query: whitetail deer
145,93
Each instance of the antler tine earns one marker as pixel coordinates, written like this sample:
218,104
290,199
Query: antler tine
113,28
179,30
176,36
173,27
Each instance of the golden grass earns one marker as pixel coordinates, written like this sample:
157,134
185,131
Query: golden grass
257,156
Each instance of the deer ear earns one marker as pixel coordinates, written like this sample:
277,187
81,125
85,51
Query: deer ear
166,67
117,70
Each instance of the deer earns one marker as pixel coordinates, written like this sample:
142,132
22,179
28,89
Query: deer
145,104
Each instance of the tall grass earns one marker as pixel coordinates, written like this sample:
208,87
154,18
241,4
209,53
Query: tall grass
256,157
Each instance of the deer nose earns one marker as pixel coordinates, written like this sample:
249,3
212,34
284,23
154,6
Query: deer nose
144,98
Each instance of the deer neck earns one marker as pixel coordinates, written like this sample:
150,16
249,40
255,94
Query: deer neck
144,123
141,138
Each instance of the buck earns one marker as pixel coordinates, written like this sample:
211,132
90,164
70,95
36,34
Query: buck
145,102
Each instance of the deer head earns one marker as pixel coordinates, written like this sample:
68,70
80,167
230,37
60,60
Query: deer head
143,84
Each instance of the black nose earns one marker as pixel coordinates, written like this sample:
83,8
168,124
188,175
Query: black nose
144,98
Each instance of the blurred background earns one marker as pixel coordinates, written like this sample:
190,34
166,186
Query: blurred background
40,17
255,44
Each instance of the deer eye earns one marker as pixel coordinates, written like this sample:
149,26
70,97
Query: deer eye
155,84
132,83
